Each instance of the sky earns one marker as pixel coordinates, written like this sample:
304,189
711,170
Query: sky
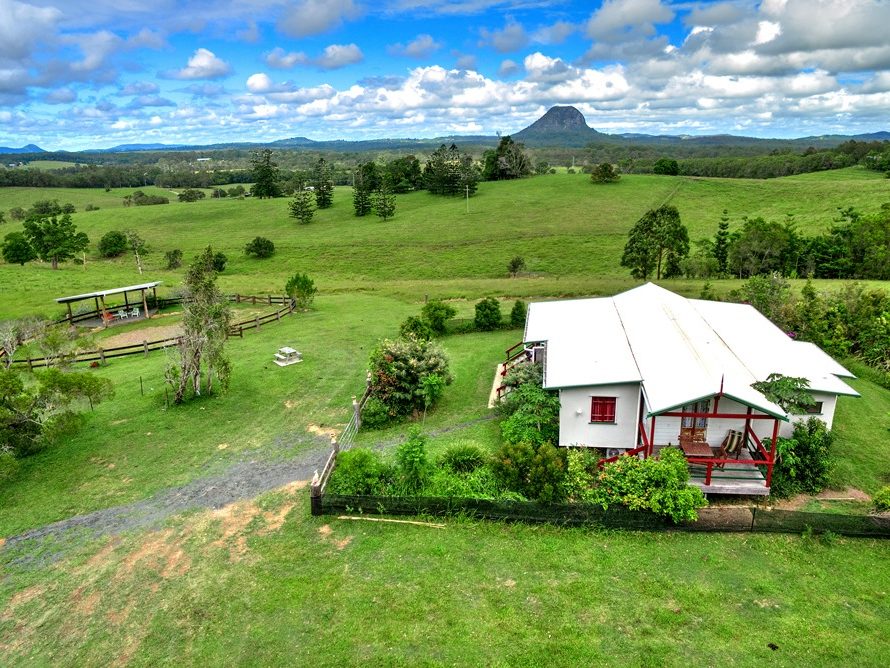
78,74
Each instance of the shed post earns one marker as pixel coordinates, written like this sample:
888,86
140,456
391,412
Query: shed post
70,315
651,437
104,311
144,304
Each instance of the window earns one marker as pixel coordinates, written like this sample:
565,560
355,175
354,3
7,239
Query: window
815,409
602,409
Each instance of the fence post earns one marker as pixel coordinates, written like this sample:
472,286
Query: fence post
257,319
254,299
30,365
315,495
145,347
278,315
357,411
270,299
237,298
102,356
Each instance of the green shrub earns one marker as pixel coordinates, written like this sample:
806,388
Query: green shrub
536,473
375,414
532,416
411,460
488,314
301,288
518,313
515,265
260,248
191,195
547,474
435,313
525,373
112,244
463,458
803,462
359,472
657,485
881,499
173,259
511,465
581,472
408,375
414,326
219,262
9,466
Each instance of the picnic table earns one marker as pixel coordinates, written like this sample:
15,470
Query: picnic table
287,355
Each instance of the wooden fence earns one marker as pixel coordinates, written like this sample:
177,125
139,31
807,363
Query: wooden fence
236,329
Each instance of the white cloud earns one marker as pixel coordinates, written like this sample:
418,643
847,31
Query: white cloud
508,68
60,96
511,37
282,60
311,17
250,33
336,56
617,19
140,88
203,64
23,27
421,46
554,34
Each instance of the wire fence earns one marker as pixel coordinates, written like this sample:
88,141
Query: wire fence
715,518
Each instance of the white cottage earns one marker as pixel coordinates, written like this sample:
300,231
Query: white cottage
649,368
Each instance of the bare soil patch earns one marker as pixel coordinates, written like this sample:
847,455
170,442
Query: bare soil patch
799,501
139,335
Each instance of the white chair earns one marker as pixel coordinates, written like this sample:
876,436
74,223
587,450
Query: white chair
121,314
135,312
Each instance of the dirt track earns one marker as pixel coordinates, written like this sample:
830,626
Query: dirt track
244,479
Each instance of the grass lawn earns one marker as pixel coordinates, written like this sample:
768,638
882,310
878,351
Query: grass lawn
262,583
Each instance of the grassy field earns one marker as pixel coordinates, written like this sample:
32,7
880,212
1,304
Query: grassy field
262,583
569,231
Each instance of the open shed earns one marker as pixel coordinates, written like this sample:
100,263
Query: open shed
105,312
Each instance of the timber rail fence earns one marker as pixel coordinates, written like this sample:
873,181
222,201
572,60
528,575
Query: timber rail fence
100,355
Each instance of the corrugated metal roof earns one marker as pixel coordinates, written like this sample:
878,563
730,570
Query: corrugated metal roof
680,349
109,291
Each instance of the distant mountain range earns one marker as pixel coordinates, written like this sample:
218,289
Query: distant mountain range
560,127
30,148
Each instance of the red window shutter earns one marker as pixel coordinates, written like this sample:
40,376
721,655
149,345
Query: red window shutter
602,409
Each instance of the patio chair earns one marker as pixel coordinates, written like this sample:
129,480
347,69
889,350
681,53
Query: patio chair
731,447
121,314
134,313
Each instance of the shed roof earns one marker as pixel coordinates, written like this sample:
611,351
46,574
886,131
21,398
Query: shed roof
110,291
680,349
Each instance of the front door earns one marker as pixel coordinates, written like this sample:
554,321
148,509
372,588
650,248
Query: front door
695,429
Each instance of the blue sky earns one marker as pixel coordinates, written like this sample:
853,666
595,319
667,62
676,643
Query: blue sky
76,74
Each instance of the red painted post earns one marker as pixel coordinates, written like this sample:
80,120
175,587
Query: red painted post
651,437
772,453
710,465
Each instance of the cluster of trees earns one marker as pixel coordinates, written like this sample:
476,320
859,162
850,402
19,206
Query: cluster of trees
450,172
849,321
139,198
373,189
48,234
855,246
508,161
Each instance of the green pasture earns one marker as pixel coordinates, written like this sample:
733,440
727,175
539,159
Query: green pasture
262,583
569,231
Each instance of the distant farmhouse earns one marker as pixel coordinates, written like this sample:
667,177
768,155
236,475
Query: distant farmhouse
649,368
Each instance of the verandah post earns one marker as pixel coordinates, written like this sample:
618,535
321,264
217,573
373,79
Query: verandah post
772,452
651,447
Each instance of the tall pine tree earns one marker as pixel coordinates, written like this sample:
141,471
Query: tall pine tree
324,184
361,191
721,243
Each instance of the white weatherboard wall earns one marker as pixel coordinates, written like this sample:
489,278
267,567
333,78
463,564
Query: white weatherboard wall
576,429
667,429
